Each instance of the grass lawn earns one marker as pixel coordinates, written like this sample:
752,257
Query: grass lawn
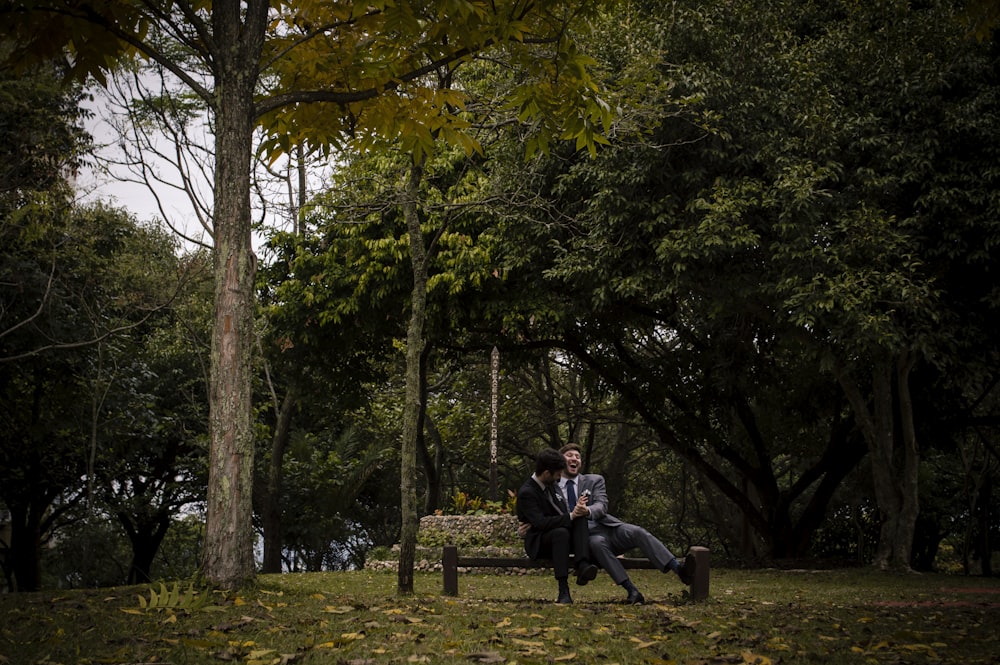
355,618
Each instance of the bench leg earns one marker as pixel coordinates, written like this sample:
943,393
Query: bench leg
449,568
699,588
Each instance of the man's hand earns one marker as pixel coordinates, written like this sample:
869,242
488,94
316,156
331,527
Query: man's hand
522,529
581,509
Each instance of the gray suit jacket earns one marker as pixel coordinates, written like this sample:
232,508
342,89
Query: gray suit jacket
598,502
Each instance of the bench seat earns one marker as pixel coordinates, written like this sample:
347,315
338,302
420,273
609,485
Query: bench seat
451,562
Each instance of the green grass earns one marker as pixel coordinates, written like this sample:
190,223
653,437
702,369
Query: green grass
843,616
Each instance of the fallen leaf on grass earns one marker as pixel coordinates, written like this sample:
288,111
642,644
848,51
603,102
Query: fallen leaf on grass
341,609
258,654
241,623
755,659
487,657
569,656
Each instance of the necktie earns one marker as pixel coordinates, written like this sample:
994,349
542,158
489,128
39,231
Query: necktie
571,492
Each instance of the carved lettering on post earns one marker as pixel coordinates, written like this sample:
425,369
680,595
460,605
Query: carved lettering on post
494,419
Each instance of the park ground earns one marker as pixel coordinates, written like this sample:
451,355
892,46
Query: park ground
355,618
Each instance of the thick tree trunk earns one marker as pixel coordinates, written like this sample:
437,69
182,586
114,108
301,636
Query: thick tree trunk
228,559
145,539
896,490
413,406
25,548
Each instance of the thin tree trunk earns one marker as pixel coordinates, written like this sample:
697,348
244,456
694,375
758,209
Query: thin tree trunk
271,518
413,406
909,484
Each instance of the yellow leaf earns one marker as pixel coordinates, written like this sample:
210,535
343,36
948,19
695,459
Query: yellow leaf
754,659
643,645
503,624
258,654
238,602
343,609
129,611
526,643
569,656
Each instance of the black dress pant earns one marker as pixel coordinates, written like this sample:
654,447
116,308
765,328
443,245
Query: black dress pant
557,544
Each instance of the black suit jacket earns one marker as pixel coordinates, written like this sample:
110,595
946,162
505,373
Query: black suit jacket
535,508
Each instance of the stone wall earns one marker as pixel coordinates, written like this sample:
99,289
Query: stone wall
474,535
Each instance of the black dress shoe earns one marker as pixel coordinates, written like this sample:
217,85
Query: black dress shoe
687,570
585,572
564,598
635,597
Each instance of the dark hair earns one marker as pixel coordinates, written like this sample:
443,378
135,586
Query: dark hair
570,446
549,459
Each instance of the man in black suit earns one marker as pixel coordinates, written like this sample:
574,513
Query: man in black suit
554,530
610,536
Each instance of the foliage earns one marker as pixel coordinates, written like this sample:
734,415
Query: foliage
436,538
185,598
462,503
776,205
838,617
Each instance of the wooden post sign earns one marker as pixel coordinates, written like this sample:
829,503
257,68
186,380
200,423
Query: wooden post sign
494,419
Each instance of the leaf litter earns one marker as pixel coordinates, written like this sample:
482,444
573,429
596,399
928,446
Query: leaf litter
752,618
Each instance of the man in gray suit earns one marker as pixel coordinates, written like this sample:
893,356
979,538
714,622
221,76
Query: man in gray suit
610,536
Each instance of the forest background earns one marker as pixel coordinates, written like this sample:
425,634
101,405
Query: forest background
750,267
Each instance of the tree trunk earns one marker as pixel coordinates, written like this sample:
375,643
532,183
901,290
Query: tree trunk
25,548
895,491
227,558
145,539
413,406
271,508
984,517
909,483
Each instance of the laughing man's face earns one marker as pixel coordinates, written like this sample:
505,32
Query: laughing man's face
574,461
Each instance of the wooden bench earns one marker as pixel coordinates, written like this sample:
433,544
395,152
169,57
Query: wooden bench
451,562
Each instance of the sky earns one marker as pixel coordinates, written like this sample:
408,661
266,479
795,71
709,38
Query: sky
117,186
